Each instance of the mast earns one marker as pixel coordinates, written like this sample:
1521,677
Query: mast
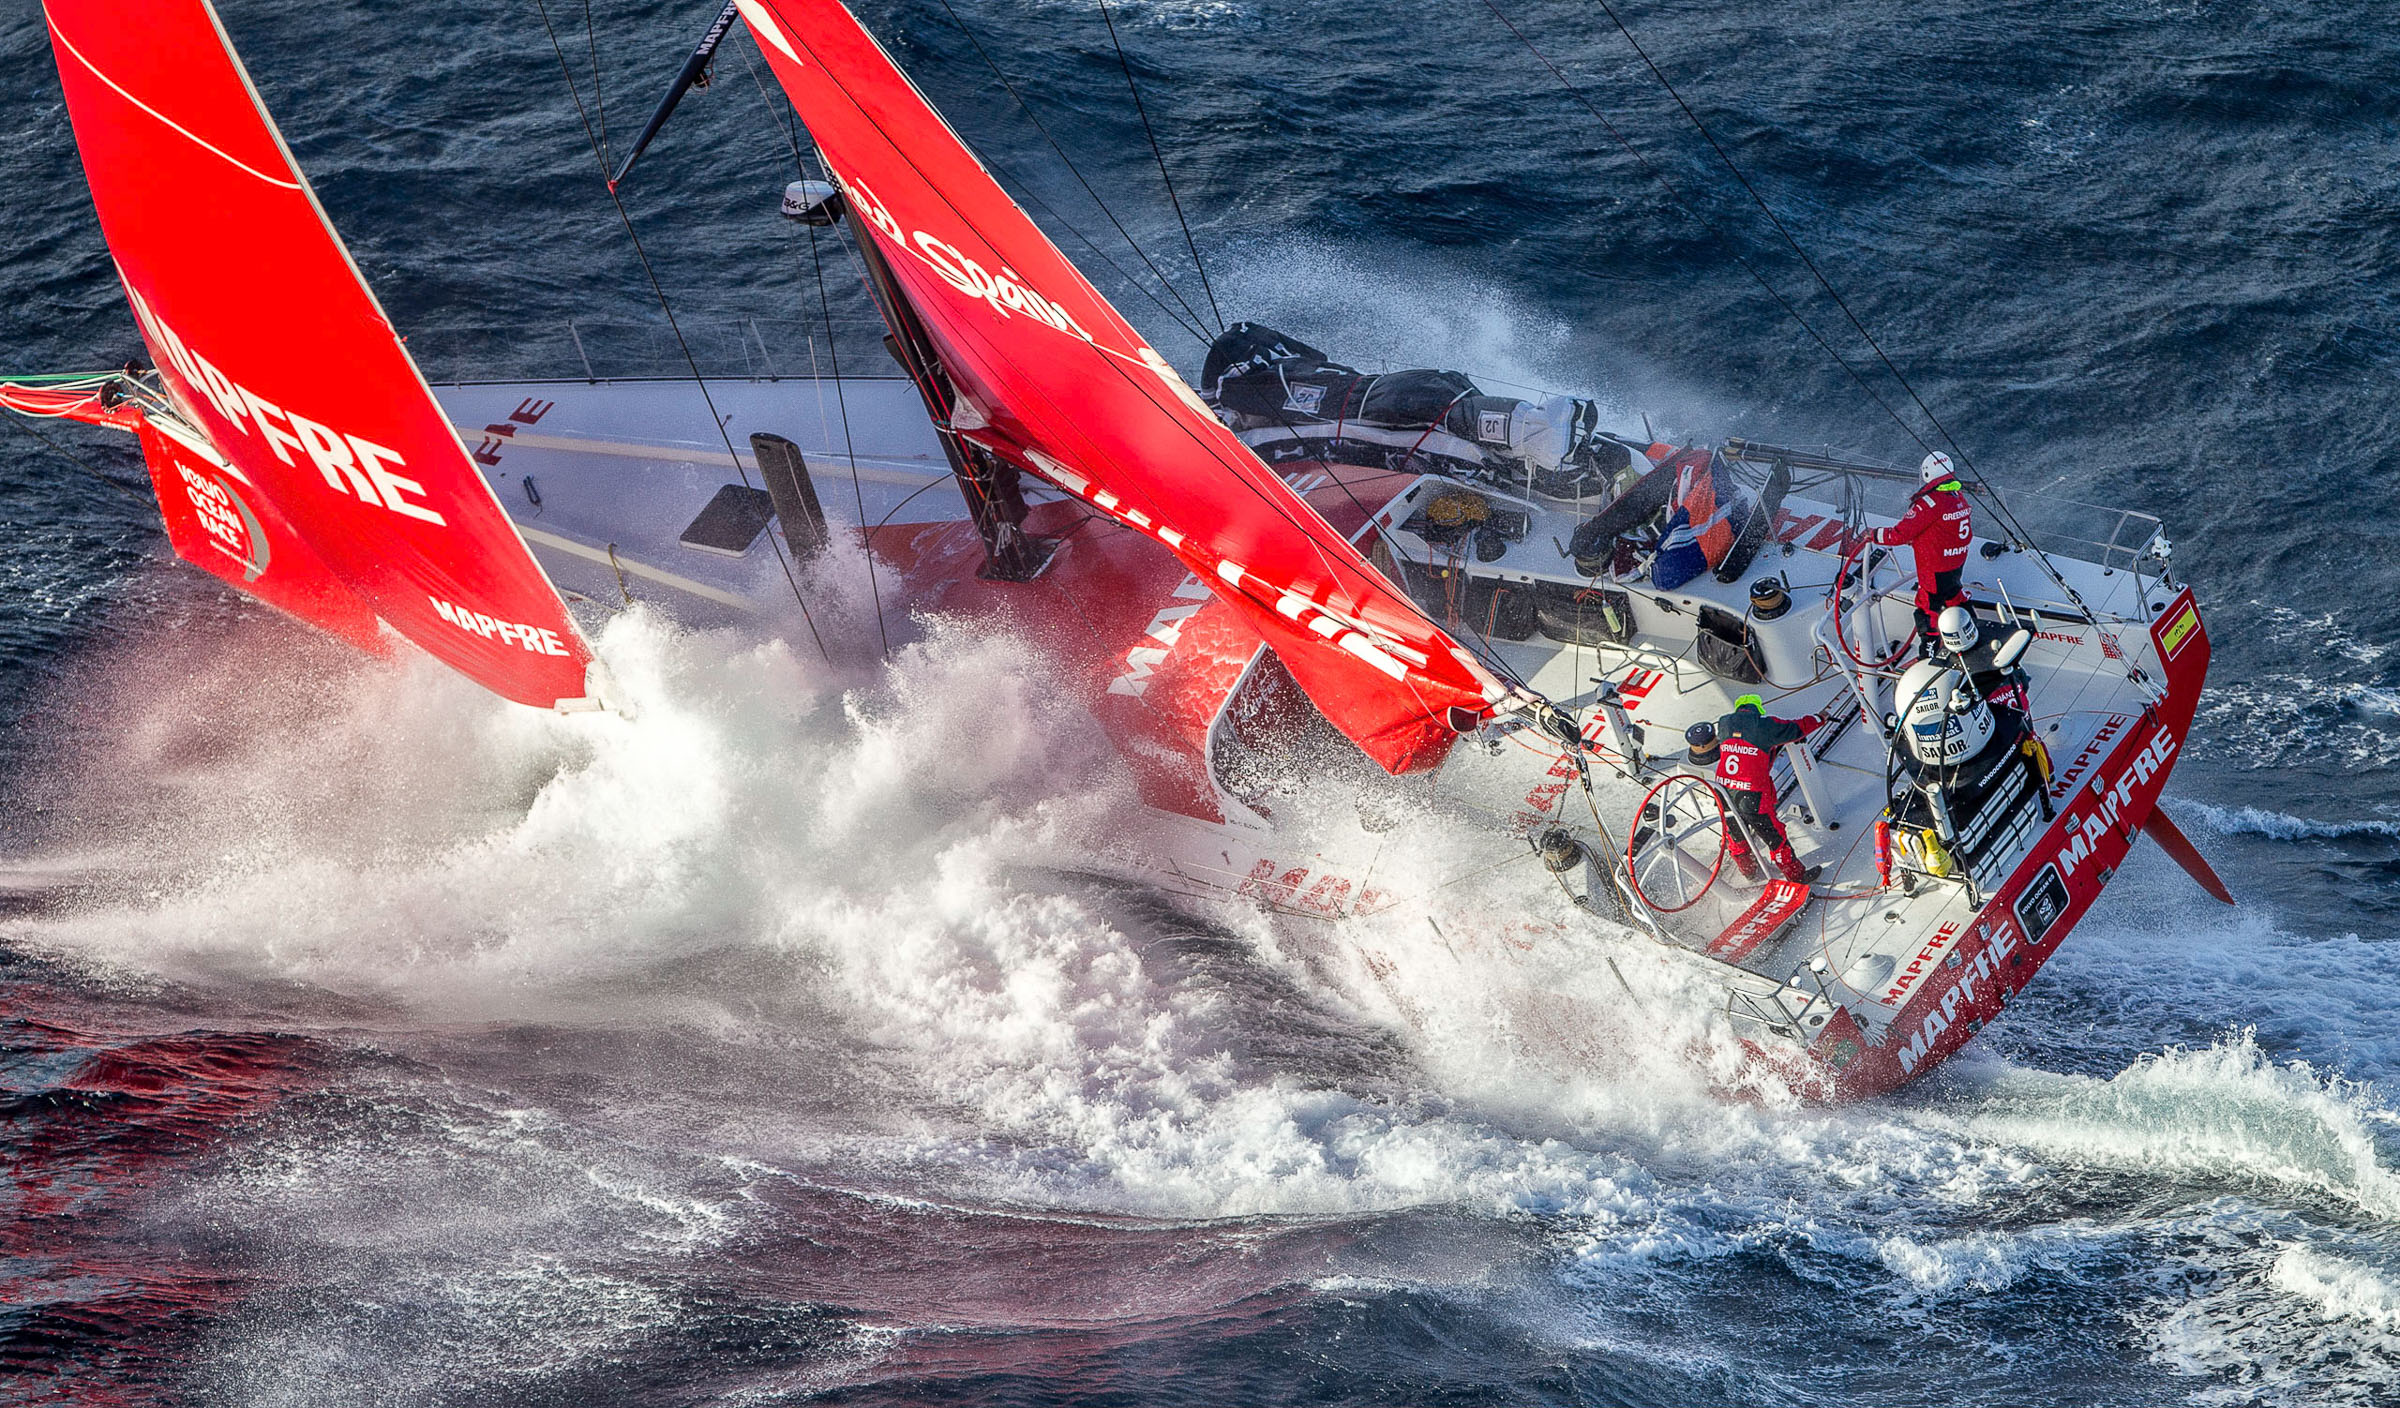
988,483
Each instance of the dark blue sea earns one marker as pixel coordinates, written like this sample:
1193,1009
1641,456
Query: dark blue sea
364,1041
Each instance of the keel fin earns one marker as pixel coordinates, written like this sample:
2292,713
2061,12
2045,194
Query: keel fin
2170,838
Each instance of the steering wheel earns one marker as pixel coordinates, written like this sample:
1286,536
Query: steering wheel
1841,613
1669,850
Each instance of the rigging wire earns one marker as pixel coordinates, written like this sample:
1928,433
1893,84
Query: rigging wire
1149,389
575,92
1785,231
1999,505
785,119
591,37
841,400
1074,171
1676,193
1143,384
1160,157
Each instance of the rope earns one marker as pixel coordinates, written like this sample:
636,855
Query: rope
1160,157
601,157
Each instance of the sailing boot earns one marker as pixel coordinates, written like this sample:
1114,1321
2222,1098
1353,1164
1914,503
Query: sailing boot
1789,864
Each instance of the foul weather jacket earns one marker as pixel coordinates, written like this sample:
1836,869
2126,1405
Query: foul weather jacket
1940,526
1746,744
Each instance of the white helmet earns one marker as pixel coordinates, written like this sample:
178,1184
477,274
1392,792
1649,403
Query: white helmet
1959,632
1936,468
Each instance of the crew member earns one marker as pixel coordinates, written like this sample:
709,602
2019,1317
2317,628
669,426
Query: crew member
1940,526
1746,742
1972,651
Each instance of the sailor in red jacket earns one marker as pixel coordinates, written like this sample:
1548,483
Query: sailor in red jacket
1940,526
1746,742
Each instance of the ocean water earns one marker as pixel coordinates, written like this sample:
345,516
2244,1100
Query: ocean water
363,1040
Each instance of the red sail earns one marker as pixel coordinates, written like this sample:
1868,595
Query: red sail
272,345
1067,388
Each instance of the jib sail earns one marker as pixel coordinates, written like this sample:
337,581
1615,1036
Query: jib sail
1066,388
271,345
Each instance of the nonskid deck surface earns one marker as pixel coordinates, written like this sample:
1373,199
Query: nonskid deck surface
1874,945
621,469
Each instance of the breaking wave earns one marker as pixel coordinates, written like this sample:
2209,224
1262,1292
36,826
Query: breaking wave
2281,826
2227,1114
817,955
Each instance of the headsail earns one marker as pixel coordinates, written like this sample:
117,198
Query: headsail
1050,377
270,343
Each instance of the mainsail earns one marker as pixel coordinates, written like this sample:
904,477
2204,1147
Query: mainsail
1049,377
271,345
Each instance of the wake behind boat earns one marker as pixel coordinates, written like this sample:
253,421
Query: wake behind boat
1686,685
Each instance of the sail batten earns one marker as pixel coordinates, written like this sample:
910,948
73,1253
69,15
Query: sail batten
328,457
1066,388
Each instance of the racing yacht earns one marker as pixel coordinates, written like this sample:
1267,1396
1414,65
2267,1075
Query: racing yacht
1297,580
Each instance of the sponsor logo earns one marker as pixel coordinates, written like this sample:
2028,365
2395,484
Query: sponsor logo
1328,895
1773,909
1006,292
2085,834
1637,686
352,466
496,436
2061,780
1961,995
537,639
1305,399
231,527
1927,957
1165,630
1545,794
2042,905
